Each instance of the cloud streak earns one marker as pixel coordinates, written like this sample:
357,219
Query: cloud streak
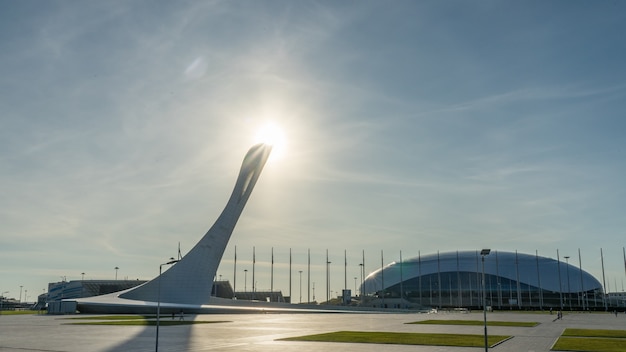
410,127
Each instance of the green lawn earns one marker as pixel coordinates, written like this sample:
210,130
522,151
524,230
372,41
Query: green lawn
460,340
18,312
582,344
476,322
142,322
137,320
599,340
595,333
117,317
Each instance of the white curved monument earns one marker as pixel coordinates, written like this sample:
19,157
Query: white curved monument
190,280
187,284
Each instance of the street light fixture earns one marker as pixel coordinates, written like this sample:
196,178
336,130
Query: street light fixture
158,320
483,254
362,270
569,292
82,284
116,269
300,273
328,290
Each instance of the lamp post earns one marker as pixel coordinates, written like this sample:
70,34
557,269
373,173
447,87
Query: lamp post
483,254
21,293
245,280
362,270
82,284
116,269
300,273
569,292
328,293
158,320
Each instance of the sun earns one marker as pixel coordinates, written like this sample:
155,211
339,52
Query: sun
272,134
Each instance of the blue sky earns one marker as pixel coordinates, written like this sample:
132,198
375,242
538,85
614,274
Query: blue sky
410,126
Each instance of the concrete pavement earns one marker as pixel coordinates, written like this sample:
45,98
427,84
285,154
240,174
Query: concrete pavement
259,332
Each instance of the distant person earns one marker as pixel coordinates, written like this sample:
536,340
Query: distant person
550,310
172,315
182,316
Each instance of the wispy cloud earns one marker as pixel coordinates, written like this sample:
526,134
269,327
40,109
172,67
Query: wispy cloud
409,126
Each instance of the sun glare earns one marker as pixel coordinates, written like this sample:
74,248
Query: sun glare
273,135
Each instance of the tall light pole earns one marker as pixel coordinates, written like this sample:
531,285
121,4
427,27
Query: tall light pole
569,292
235,276
82,284
582,286
483,254
327,279
21,293
245,280
361,269
253,264
558,259
158,320
116,269
300,273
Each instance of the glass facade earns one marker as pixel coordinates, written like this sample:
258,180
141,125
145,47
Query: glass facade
512,281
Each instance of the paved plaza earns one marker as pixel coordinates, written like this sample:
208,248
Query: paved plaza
259,332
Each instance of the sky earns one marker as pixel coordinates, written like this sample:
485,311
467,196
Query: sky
410,127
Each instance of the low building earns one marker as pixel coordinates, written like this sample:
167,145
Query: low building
58,291
264,296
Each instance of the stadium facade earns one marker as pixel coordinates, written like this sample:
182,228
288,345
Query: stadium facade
512,281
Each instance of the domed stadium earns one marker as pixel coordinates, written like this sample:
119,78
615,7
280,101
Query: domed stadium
512,281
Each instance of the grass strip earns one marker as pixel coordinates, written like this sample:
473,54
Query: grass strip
136,320
476,322
401,338
582,344
19,312
144,322
115,317
595,333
